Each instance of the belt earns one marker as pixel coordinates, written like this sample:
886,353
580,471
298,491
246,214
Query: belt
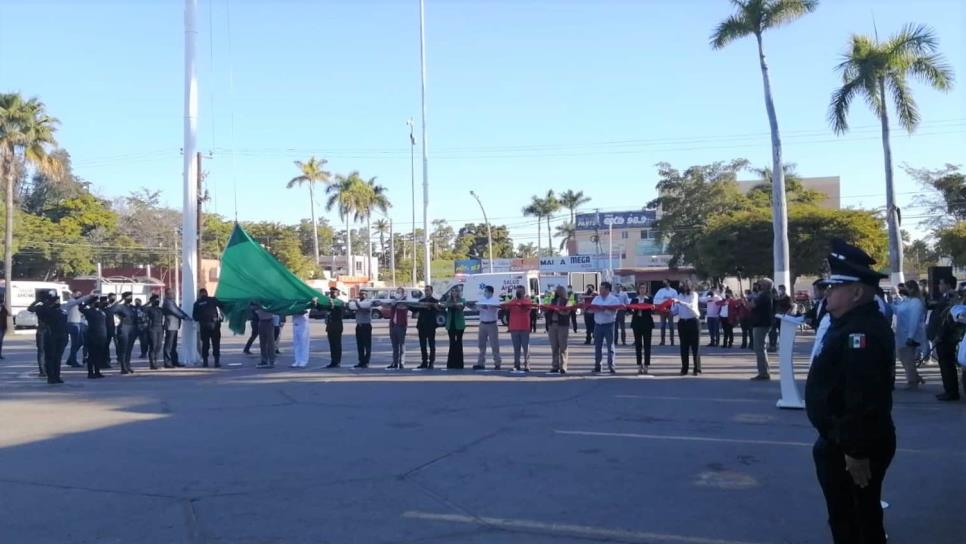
487,322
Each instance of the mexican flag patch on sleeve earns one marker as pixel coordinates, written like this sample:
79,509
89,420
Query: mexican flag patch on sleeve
857,341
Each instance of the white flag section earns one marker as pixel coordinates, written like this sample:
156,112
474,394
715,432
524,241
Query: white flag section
791,397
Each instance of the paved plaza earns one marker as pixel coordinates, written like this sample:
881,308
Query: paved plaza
246,456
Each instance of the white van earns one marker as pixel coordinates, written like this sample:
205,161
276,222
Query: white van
24,293
503,283
383,295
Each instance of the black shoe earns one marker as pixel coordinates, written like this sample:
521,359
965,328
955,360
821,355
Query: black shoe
684,372
204,364
98,375
563,372
246,352
91,377
361,365
612,371
596,370
554,371
153,367
661,344
217,364
587,343
332,365
422,366
696,372
168,366
479,367
946,397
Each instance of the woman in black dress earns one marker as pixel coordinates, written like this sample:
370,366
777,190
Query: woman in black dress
642,323
455,326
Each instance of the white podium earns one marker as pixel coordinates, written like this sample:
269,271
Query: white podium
791,398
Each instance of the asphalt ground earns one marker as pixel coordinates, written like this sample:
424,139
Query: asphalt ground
244,456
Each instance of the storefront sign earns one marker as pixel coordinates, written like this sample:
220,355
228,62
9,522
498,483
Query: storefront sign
620,220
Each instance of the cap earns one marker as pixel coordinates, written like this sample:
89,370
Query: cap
849,264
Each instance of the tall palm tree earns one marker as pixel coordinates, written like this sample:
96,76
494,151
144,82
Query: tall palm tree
26,135
879,72
572,200
381,227
550,205
566,232
371,198
535,209
753,18
312,172
344,195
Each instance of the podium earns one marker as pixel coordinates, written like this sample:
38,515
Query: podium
791,398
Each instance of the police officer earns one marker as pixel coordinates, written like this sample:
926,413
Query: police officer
95,340
848,399
54,317
155,319
333,326
173,315
945,333
207,313
142,328
126,330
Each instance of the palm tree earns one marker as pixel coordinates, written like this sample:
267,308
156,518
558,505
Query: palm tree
871,69
344,194
313,172
372,198
26,134
573,200
567,232
753,18
535,209
381,227
549,206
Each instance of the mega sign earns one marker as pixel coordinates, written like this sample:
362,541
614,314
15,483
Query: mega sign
620,220
573,263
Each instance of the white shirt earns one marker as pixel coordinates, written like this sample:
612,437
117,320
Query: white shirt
663,294
605,317
687,306
489,308
714,305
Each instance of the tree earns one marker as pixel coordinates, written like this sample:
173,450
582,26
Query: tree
26,135
727,246
919,256
944,197
471,241
796,193
753,18
526,251
687,200
572,200
312,172
283,243
567,233
381,226
549,205
442,238
344,195
535,209
870,69
372,197
952,243
143,219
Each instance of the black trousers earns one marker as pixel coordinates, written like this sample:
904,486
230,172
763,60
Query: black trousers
589,325
334,335
427,345
746,338
642,343
54,346
144,339
41,351
155,347
534,316
620,327
124,345
689,337
96,353
946,352
254,336
364,342
729,333
773,334
110,340
171,347
454,358
210,340
573,320
854,513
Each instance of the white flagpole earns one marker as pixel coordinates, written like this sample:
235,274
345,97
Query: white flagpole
189,226
427,258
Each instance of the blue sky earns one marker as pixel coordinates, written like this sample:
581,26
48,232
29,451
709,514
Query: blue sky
524,96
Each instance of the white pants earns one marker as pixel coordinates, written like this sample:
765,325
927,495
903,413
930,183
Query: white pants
300,339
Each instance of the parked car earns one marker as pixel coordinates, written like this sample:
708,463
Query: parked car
383,295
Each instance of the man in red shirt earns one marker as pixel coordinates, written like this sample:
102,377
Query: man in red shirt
518,310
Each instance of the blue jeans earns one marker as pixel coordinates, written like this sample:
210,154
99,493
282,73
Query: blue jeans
714,330
78,335
604,333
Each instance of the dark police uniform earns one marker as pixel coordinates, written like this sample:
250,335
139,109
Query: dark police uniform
848,399
334,328
426,327
54,319
156,320
126,333
96,337
206,314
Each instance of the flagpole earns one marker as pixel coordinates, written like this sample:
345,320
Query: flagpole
427,258
189,216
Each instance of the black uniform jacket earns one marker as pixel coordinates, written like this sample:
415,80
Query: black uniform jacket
848,395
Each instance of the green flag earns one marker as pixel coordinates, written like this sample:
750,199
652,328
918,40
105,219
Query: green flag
249,274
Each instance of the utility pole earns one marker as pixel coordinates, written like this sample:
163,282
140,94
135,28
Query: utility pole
412,178
201,200
189,212
489,232
392,253
427,262
174,271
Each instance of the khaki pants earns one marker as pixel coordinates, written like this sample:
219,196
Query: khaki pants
558,345
759,336
907,356
489,334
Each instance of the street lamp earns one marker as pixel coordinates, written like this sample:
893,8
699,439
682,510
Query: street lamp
489,233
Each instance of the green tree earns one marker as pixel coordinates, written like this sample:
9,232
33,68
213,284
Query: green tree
324,233
796,193
26,137
144,220
526,251
879,72
944,195
572,200
442,238
689,199
381,226
312,172
919,256
471,241
550,205
952,243
215,233
753,18
347,195
47,189
567,233
372,198
535,209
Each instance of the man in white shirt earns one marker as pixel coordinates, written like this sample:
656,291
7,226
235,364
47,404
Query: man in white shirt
604,319
713,305
489,306
667,320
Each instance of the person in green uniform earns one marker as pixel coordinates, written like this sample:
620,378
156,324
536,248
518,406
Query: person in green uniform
454,305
